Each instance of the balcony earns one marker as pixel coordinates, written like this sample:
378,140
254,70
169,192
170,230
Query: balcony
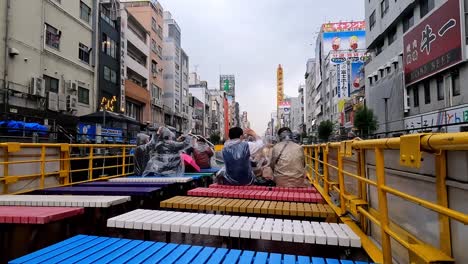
141,45
136,67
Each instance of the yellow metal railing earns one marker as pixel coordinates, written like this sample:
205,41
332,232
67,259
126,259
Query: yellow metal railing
28,166
319,163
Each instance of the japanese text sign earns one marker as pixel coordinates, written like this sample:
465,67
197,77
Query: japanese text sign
434,44
344,26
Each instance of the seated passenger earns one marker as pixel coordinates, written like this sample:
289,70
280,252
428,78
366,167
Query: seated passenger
164,154
202,154
287,161
141,156
236,155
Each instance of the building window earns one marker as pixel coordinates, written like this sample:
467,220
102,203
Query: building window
427,92
425,6
83,95
106,16
455,84
83,53
154,67
52,36
154,46
156,91
110,75
372,20
379,47
159,51
109,46
383,8
416,96
85,12
133,110
51,84
160,30
440,88
408,21
154,25
392,35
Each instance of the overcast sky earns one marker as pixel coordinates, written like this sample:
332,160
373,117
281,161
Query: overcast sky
249,38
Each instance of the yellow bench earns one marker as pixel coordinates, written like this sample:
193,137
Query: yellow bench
248,206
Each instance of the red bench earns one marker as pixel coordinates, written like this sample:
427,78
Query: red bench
265,194
36,215
264,188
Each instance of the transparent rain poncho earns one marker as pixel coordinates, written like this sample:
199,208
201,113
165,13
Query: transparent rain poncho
164,154
141,156
238,170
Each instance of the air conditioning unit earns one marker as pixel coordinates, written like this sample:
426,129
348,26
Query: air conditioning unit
154,101
37,87
62,102
53,101
72,86
406,104
72,102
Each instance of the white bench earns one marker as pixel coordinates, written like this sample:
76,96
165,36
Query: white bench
153,179
63,200
238,226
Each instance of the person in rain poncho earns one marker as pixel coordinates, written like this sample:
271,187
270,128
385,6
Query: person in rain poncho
202,154
287,161
164,154
236,155
141,156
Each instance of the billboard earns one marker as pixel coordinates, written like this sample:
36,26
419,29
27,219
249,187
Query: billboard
284,104
449,117
227,83
343,41
434,45
342,79
356,68
344,26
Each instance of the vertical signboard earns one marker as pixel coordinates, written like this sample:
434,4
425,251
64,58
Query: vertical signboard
435,44
355,75
123,54
342,81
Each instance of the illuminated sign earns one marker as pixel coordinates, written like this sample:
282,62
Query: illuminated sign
108,104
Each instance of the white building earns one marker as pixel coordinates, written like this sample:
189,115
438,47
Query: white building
201,92
217,112
48,61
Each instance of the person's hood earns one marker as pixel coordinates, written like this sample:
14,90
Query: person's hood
232,142
286,136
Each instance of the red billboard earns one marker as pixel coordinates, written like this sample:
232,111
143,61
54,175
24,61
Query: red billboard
434,44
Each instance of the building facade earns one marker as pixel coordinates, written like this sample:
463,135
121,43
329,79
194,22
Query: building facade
217,112
47,64
309,95
184,99
201,93
405,91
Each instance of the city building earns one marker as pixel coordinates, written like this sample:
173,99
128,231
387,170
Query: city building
150,15
296,118
227,83
47,60
172,73
217,98
184,98
245,123
135,64
339,54
201,93
413,84
310,104
301,125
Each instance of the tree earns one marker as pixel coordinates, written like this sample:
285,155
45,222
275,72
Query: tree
365,121
215,138
325,129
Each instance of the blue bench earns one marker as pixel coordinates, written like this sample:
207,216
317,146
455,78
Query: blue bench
94,249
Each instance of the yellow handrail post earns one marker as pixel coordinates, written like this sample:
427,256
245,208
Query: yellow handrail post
43,155
123,161
325,171
445,239
341,181
5,171
362,187
316,165
383,209
90,165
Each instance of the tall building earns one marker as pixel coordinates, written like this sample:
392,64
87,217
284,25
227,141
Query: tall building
339,53
217,112
245,123
172,73
227,83
184,98
150,15
311,104
415,75
47,60
301,125
201,93
135,64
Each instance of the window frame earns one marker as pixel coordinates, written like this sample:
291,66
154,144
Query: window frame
406,21
455,79
427,92
440,88
50,32
428,5
85,7
48,81
391,37
80,95
372,20
384,6
109,73
84,51
416,96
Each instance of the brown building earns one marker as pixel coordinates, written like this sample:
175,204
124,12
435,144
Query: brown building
150,15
